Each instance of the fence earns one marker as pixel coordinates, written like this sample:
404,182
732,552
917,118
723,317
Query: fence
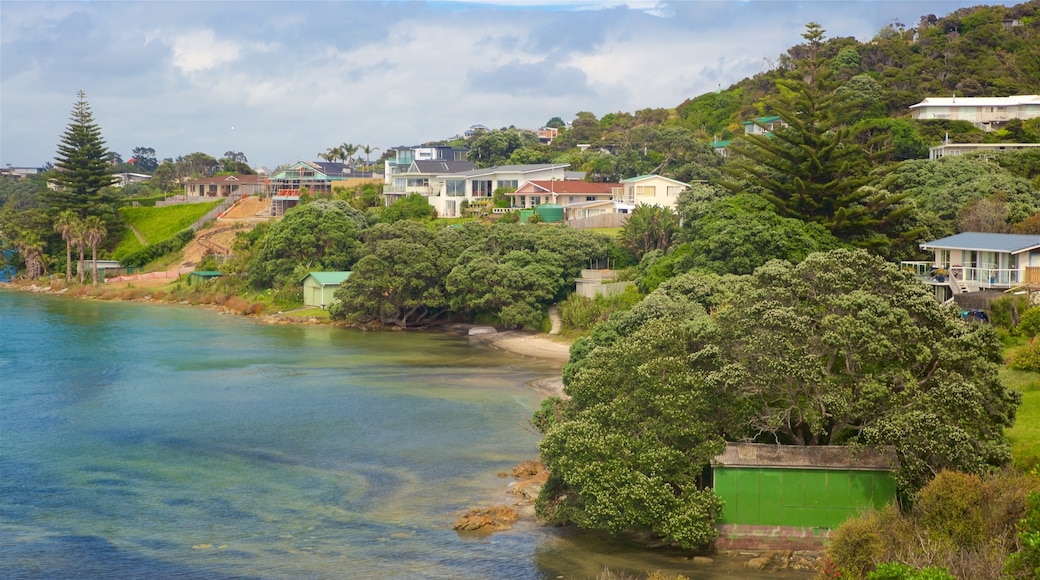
605,220
213,213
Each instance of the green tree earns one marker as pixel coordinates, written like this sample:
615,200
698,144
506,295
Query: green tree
31,247
82,166
65,224
810,169
648,227
144,159
94,232
414,206
322,235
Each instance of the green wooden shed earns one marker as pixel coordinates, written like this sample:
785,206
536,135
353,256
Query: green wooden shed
319,287
789,497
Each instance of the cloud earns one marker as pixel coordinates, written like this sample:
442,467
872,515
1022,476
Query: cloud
200,50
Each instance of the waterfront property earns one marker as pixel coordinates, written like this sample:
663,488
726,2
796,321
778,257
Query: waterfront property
973,261
319,288
790,497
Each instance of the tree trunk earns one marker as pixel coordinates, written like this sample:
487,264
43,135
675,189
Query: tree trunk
93,260
82,266
68,261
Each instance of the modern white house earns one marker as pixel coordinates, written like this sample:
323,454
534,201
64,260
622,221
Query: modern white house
648,190
986,113
973,261
400,159
478,185
425,177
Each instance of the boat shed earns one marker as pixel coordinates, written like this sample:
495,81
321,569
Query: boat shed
319,288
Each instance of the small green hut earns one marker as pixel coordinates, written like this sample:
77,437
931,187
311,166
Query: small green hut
319,288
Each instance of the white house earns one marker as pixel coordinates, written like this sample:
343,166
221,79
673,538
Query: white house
478,185
648,190
954,149
425,177
986,113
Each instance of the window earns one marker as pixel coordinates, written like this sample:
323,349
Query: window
455,187
482,188
535,200
645,191
510,183
418,182
590,198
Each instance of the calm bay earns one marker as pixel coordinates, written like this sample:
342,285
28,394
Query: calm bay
139,440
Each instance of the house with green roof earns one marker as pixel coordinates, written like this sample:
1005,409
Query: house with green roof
319,288
763,125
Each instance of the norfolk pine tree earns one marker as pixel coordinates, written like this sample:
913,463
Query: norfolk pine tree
82,165
812,169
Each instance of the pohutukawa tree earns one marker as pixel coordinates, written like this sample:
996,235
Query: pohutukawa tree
82,165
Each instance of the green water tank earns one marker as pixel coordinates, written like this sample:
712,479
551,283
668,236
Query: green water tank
525,214
550,213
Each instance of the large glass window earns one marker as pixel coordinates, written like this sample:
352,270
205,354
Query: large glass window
645,191
418,182
508,183
482,188
455,187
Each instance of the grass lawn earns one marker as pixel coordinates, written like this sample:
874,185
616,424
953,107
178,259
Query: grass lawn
612,232
1025,434
158,223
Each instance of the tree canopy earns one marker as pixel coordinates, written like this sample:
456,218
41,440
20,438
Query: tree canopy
842,348
82,166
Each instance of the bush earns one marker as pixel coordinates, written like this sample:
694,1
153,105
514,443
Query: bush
950,508
1029,325
1025,563
1026,357
857,545
1006,311
900,571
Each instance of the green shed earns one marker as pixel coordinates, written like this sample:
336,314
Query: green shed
789,497
319,287
550,213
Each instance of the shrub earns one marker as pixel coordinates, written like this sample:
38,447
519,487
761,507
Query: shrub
900,571
857,545
1029,325
1026,357
154,251
1025,562
950,508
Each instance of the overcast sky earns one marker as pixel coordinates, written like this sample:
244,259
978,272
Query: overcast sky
282,82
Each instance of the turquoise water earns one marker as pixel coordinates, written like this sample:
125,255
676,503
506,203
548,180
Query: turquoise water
139,440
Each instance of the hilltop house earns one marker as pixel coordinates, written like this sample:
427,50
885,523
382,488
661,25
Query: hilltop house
954,149
986,113
763,125
400,159
425,177
225,186
972,261
317,177
566,193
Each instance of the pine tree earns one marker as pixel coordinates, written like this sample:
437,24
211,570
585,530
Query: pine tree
811,168
82,166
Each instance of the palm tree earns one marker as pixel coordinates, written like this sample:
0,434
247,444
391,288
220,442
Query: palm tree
331,154
31,247
79,239
368,155
94,233
349,150
64,225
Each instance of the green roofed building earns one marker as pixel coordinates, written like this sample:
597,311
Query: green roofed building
319,288
790,497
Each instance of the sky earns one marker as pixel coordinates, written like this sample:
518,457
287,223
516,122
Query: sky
284,81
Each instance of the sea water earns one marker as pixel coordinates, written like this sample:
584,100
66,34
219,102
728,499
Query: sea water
158,441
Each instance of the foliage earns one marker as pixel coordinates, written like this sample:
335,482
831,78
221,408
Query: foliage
1005,312
154,251
580,313
82,166
1026,357
495,147
319,236
414,206
1025,562
648,227
808,169
961,525
1029,322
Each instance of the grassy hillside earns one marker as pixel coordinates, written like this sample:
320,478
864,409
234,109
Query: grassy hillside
1025,435
156,224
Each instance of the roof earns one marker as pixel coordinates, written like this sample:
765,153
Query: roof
652,176
236,179
978,101
328,278
769,119
512,169
806,456
443,166
1006,243
569,187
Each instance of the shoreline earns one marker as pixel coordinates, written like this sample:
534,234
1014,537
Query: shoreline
555,352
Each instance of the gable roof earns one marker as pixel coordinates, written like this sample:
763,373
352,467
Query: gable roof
1005,243
568,187
328,278
442,166
763,120
237,179
652,176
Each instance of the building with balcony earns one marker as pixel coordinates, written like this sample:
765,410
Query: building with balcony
400,159
986,113
954,149
478,185
648,190
423,177
973,261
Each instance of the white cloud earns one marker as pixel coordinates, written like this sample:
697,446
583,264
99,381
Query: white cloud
200,50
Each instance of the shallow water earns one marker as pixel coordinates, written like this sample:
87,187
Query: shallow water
139,440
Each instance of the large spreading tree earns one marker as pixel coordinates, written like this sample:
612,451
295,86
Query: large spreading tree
841,349
82,166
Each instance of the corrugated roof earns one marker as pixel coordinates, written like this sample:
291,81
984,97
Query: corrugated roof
328,278
511,169
1007,243
571,187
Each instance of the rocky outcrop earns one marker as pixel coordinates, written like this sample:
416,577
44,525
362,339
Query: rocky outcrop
489,520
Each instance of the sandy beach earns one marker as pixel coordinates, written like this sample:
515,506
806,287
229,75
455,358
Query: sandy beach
536,346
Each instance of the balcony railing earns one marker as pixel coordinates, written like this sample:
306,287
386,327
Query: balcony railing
976,277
